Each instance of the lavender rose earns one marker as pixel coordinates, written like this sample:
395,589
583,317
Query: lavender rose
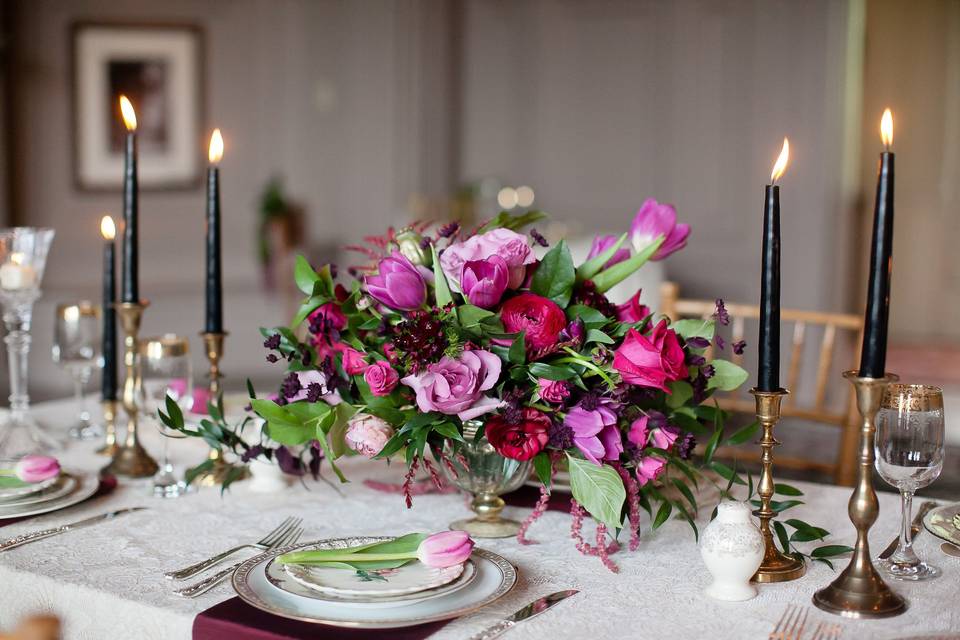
509,245
455,387
367,434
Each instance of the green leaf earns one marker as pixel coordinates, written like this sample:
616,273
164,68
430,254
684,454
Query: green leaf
728,474
193,473
174,414
743,434
712,445
593,266
470,315
831,550
518,350
662,514
680,393
306,308
447,430
608,278
726,376
507,221
10,482
543,467
694,328
778,506
781,532
786,490
599,489
407,544
595,335
551,371
555,275
441,288
685,490
592,319
304,275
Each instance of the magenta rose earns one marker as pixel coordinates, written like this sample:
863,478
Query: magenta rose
631,311
595,432
654,220
381,377
555,391
539,317
327,316
484,281
367,434
397,283
519,440
455,387
603,243
507,244
639,433
354,362
653,361
649,469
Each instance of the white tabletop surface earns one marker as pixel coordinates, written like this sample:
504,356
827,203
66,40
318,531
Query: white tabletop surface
106,581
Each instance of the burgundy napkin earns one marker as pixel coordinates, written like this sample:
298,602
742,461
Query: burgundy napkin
528,496
106,486
237,620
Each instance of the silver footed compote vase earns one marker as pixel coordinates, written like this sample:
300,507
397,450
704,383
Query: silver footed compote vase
480,470
23,256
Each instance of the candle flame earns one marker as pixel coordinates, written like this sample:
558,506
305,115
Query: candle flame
17,258
886,128
781,164
216,147
107,229
129,115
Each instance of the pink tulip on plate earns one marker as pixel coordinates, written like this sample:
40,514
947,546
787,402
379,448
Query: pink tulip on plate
445,549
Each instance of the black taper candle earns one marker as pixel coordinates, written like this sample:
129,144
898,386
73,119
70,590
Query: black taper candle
873,356
109,339
214,306
768,377
131,252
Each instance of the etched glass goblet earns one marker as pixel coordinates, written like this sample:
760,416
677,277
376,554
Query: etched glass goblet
23,256
909,454
76,348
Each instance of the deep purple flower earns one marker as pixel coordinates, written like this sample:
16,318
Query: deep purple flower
291,386
289,463
272,357
574,332
654,220
449,229
697,342
561,436
251,453
721,344
538,238
685,448
739,346
721,314
695,360
314,391
397,284
595,432
272,342
484,281
708,371
603,243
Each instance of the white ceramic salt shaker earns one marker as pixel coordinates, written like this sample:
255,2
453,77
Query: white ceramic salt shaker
732,549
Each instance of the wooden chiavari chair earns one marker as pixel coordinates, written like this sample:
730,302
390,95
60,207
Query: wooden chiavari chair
843,467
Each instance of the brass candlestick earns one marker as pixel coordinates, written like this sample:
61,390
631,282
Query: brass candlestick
213,347
776,566
130,458
110,446
859,591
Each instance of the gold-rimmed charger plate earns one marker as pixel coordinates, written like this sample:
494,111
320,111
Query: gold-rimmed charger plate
84,485
939,522
495,578
9,494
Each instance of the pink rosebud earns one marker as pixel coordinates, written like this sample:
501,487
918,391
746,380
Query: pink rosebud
650,469
639,433
603,243
445,549
654,220
555,391
367,435
381,377
33,469
484,281
397,283
354,362
631,311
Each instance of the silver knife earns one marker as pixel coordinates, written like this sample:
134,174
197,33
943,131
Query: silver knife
55,531
534,608
915,528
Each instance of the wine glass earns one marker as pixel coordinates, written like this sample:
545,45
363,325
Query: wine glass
76,348
909,450
165,371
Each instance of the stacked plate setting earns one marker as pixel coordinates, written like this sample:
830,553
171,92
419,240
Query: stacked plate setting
409,595
62,491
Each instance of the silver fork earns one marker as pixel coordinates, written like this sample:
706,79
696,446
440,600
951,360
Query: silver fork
791,624
265,543
826,631
211,581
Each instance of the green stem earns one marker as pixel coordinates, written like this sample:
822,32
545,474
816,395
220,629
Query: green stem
325,556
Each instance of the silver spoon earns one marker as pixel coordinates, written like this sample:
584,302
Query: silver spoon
950,549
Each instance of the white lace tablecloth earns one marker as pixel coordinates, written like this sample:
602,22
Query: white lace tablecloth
105,581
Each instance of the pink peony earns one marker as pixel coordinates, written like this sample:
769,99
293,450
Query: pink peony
555,391
381,377
631,311
445,549
354,362
331,316
649,469
455,387
539,317
398,283
653,361
595,432
484,281
654,220
603,243
507,244
639,433
367,435
33,469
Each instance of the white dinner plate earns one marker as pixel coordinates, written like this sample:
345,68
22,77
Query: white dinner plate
410,578
64,485
84,486
939,522
279,577
495,578
14,493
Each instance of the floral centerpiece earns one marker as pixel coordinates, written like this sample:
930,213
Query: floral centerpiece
440,329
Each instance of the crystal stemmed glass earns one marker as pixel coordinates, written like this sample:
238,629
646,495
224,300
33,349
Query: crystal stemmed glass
909,448
76,348
23,256
165,371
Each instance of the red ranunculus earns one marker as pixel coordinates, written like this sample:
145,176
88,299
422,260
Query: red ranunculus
653,361
539,317
520,441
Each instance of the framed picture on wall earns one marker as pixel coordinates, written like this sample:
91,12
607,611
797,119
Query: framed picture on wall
159,69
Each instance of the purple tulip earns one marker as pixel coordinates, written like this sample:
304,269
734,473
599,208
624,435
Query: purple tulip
397,283
445,549
602,243
654,220
595,432
484,281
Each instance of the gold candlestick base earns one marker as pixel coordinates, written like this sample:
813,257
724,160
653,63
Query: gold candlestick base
776,566
130,458
110,445
859,591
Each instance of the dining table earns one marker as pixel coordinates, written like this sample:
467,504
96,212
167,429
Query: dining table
106,581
